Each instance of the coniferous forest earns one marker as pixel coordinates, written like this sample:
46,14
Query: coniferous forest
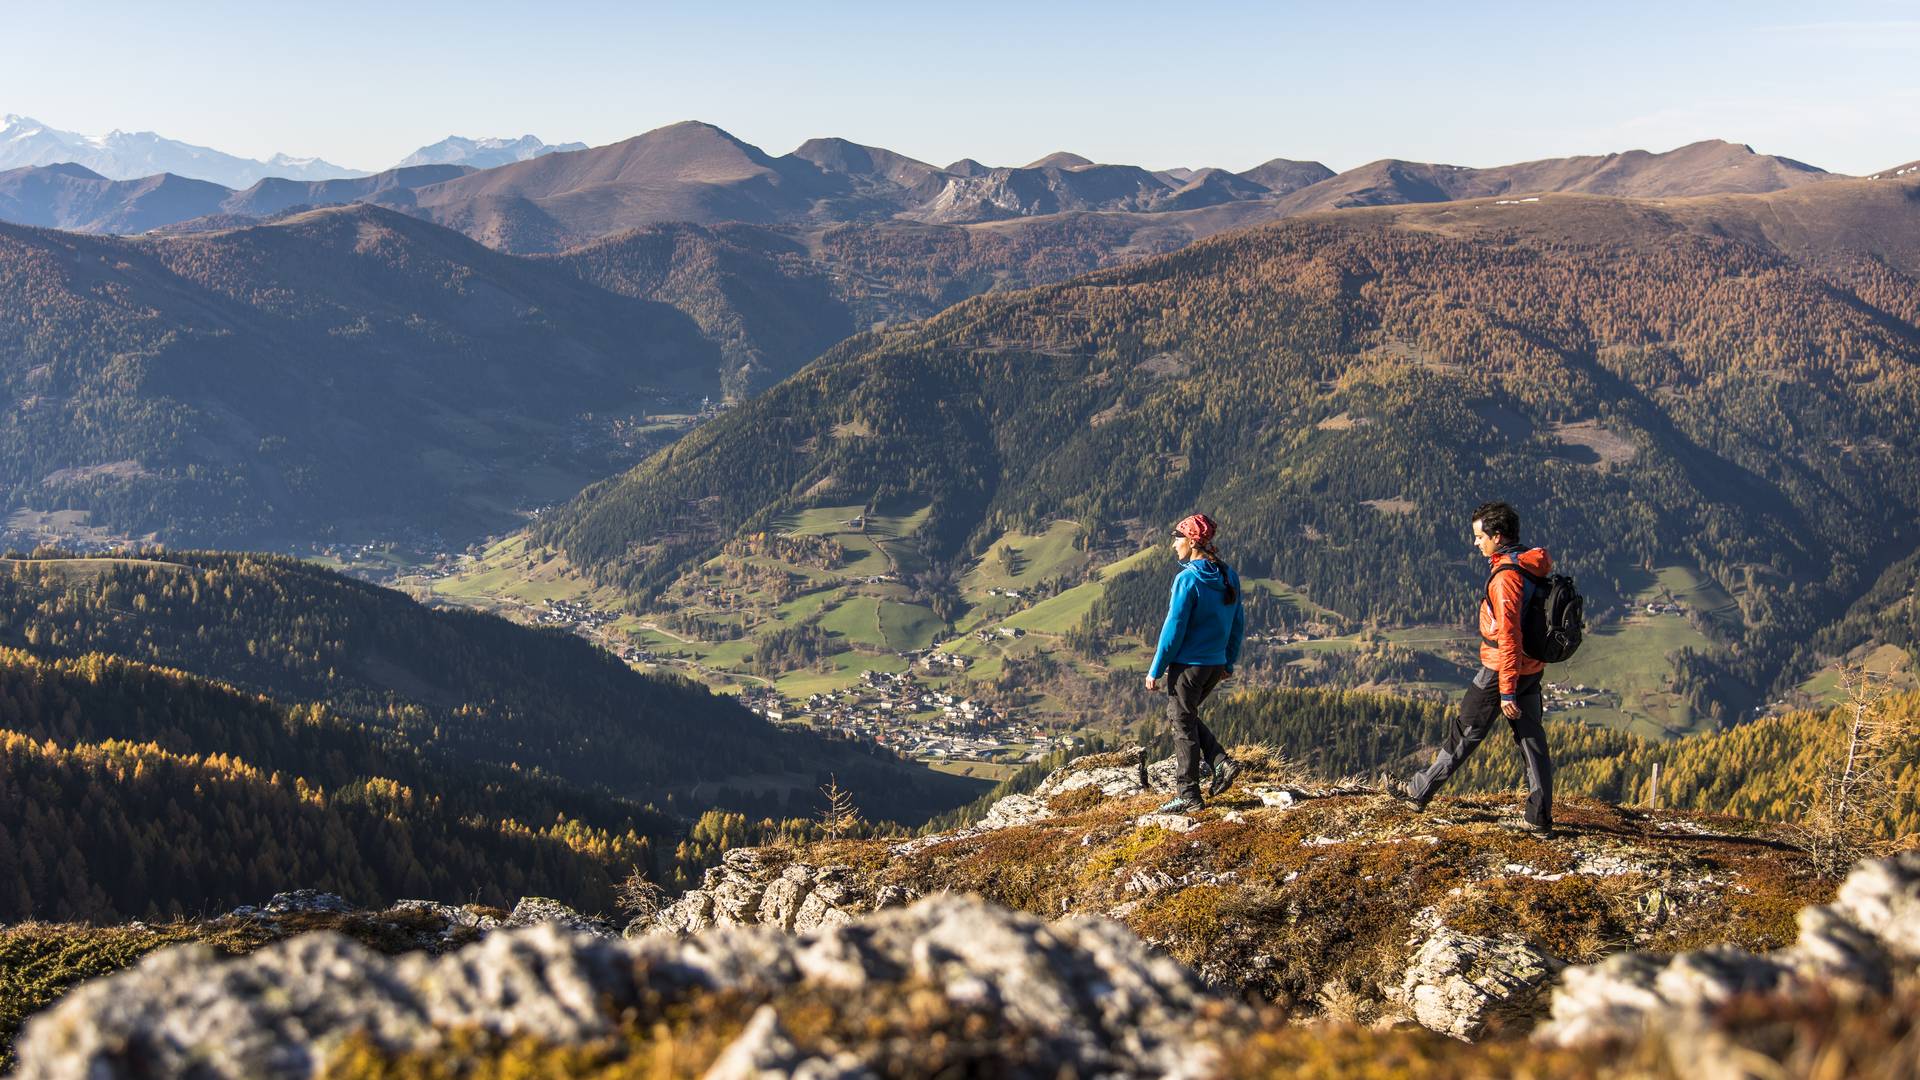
187,730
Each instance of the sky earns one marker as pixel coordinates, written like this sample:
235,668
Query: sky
1161,85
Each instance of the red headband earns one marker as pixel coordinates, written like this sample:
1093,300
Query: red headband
1198,528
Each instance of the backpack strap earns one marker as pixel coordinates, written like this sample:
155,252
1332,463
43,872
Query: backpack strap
1513,564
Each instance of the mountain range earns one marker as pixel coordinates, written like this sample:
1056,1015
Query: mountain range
525,196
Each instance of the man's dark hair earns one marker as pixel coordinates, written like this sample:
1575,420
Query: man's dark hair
1499,519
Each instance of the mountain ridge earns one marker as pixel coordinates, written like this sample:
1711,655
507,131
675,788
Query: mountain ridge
698,173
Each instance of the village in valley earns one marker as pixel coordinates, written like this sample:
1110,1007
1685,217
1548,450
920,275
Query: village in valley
827,620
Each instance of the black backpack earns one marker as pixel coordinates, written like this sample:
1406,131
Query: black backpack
1552,625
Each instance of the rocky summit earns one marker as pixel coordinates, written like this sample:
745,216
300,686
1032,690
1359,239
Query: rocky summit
1290,928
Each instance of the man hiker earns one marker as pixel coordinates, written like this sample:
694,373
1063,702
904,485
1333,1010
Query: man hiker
1199,644
1508,683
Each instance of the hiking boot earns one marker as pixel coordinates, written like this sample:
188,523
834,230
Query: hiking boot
1522,825
1223,775
1403,794
1182,804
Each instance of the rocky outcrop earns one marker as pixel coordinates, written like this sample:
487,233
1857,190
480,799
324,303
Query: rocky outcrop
533,910
1082,996
758,887
296,902
1855,946
1460,984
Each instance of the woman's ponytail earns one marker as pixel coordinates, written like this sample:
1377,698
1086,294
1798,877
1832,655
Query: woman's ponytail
1207,552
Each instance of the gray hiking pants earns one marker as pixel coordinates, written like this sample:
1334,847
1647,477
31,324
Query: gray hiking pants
1479,708
1187,687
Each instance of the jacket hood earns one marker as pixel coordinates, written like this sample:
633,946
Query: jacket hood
1534,561
1208,574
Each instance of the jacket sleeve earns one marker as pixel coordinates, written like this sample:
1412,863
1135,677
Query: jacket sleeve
1179,605
1504,594
1238,630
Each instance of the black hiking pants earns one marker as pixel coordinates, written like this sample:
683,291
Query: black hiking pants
1187,687
1474,722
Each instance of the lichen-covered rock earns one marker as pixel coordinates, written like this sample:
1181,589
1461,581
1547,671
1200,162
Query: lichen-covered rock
1852,947
533,910
1081,995
1460,984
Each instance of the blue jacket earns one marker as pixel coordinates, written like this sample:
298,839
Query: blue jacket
1201,627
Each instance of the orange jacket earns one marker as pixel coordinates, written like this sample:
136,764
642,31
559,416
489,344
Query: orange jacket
1500,617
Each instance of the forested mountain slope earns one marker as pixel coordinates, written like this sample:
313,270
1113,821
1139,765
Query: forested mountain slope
341,371
471,687
136,792
1650,382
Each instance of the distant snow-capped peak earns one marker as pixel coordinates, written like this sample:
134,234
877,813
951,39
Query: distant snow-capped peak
129,155
485,153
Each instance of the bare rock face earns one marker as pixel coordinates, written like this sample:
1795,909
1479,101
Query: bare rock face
1082,996
1852,947
1458,984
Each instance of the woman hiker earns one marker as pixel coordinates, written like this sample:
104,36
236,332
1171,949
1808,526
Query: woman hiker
1199,645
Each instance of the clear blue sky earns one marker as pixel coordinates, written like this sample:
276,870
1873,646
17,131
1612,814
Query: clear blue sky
1161,84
